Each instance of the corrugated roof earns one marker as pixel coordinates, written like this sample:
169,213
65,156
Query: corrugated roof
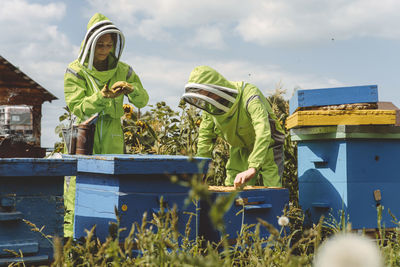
16,88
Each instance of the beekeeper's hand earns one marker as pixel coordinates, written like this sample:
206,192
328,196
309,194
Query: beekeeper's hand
244,177
122,87
106,92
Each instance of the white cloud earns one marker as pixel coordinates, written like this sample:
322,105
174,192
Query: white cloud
33,42
209,37
310,21
164,79
261,22
31,31
156,19
18,11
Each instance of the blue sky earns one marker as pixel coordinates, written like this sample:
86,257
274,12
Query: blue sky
303,44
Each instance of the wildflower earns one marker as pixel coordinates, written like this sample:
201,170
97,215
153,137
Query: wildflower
128,108
283,221
198,122
141,124
347,250
128,134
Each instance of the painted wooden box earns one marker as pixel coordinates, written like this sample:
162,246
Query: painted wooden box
31,192
333,96
353,169
133,185
254,202
341,117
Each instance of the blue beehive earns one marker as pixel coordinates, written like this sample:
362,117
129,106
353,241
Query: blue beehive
134,184
351,169
264,203
32,190
333,96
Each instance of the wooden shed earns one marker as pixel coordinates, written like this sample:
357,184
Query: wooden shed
17,89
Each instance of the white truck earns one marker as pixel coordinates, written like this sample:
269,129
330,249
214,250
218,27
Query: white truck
16,120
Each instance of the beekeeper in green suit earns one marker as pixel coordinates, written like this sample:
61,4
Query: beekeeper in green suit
95,83
240,114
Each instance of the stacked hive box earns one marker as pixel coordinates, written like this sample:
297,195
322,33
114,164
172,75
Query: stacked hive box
31,192
348,151
132,185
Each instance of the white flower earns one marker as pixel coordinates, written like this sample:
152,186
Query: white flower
348,250
283,221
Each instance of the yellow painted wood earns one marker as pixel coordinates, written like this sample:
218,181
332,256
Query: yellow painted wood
340,117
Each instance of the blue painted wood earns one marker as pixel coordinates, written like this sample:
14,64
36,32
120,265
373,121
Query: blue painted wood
10,216
355,169
26,247
7,202
345,132
32,189
137,182
140,164
258,207
333,96
30,185
26,260
37,167
272,203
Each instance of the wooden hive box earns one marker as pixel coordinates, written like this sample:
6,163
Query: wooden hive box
333,96
31,190
341,117
351,169
133,184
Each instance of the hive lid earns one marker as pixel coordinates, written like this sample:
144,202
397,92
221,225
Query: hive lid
333,96
140,164
37,167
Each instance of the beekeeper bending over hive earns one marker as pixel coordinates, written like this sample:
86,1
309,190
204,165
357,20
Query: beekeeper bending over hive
240,114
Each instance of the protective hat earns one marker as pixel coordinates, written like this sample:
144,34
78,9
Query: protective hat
92,36
214,99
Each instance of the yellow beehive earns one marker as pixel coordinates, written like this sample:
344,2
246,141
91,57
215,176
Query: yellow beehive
340,117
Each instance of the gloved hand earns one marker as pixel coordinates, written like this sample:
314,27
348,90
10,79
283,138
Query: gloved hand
106,92
117,89
122,88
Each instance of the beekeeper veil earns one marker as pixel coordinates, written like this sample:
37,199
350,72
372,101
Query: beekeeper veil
214,99
93,34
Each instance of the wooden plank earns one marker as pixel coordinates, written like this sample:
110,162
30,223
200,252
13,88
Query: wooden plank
345,132
333,96
140,164
10,216
390,106
25,260
25,246
341,117
215,188
37,167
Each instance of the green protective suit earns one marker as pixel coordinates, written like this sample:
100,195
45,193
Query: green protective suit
250,127
82,94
